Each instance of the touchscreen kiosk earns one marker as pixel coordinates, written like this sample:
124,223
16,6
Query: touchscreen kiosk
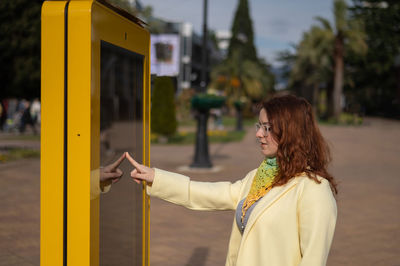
95,107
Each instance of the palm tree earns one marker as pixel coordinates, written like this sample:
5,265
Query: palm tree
311,66
347,35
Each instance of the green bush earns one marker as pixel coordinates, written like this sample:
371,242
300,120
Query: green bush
183,106
163,119
344,119
17,153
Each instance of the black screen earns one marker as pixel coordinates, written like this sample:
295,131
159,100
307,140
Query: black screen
121,129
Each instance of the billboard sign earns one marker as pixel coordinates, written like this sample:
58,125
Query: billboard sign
165,54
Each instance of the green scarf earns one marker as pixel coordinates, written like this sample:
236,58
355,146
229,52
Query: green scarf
262,183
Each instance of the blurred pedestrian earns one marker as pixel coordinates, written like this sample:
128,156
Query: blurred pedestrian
216,114
285,209
35,111
13,116
26,118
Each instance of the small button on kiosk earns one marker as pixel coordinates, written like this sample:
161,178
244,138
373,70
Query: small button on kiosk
95,106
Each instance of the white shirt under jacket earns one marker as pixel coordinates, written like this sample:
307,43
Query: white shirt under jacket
291,225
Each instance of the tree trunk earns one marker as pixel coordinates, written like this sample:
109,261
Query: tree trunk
329,100
239,118
338,77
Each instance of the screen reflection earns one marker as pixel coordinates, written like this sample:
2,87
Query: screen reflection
121,129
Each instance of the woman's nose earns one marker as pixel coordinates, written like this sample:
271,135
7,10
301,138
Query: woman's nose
260,133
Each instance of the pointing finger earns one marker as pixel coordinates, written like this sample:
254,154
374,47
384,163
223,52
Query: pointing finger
118,162
133,162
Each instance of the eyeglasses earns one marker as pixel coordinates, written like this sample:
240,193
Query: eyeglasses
266,129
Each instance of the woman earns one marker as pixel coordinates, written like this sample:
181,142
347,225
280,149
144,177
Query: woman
285,209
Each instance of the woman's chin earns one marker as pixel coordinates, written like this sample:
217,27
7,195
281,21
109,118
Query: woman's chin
268,154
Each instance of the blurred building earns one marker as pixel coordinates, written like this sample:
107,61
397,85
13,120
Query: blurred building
177,52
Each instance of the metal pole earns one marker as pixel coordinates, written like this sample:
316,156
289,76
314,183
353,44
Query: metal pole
203,81
201,157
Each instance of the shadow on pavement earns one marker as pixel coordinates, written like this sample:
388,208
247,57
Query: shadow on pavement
199,257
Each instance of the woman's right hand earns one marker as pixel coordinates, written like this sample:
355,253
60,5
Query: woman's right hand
141,173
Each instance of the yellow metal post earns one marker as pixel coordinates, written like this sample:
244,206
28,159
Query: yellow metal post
52,136
88,24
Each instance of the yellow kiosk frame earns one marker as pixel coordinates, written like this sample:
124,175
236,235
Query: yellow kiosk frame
72,32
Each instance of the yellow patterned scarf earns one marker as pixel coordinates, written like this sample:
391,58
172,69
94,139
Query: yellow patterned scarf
262,183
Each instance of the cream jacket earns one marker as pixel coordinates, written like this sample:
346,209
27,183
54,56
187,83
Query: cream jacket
291,225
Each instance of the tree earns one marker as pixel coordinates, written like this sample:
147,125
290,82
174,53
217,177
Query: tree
20,48
242,39
349,36
163,119
312,65
240,78
377,74
322,51
242,74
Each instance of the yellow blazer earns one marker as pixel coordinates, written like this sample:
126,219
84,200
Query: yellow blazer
291,225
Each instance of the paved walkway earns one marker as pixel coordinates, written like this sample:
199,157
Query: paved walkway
365,161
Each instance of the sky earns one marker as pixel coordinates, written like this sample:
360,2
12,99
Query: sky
277,24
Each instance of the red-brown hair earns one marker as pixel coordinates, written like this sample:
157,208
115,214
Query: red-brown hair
301,147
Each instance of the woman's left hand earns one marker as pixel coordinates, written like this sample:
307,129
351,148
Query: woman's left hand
111,173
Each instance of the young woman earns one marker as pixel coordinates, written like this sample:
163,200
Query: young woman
285,209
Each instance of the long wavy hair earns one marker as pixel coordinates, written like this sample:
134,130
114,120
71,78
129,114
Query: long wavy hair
301,147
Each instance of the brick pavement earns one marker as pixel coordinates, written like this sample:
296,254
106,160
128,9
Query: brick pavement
365,161
20,213
367,165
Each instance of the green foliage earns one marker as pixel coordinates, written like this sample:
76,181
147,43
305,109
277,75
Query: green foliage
213,137
242,39
349,37
239,77
312,64
183,105
163,119
17,153
345,119
371,83
322,48
376,75
242,74
23,137
20,48
20,23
